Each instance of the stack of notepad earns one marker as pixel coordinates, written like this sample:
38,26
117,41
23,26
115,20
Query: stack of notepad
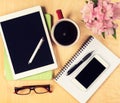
28,50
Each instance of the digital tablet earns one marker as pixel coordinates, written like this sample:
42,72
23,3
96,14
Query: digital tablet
27,42
89,72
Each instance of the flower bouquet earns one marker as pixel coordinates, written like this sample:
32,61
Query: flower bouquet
99,16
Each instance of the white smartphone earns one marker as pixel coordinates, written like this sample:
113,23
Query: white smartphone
89,72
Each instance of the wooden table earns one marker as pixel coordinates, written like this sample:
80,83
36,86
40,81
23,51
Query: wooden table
109,92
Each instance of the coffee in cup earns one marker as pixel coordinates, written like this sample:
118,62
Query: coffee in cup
65,32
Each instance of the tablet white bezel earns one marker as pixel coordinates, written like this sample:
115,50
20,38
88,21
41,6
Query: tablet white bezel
20,14
81,67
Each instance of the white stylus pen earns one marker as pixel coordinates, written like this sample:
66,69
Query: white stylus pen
36,50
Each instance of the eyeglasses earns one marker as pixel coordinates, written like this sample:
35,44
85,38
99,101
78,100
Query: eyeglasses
39,89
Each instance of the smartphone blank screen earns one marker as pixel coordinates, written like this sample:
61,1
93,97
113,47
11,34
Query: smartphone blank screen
88,75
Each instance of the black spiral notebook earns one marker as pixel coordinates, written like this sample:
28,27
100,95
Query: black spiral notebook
87,77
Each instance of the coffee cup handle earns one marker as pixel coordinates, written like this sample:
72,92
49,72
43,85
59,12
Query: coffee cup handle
59,14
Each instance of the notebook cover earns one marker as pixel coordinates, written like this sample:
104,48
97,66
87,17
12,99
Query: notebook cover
41,76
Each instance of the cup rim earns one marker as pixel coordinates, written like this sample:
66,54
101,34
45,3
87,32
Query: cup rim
59,21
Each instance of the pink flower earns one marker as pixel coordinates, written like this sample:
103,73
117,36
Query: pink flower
106,9
116,10
88,12
100,18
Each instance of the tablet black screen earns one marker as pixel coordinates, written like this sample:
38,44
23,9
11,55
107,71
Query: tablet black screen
22,35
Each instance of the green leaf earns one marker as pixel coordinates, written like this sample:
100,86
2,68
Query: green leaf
103,34
95,2
114,35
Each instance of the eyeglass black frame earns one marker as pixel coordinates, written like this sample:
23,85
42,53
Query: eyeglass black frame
32,87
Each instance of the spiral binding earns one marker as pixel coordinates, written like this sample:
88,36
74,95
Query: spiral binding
79,51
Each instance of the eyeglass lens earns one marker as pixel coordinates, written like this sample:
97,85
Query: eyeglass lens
23,91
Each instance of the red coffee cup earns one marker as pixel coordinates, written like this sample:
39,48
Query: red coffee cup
65,32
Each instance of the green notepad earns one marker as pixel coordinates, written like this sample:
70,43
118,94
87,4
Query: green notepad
41,76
